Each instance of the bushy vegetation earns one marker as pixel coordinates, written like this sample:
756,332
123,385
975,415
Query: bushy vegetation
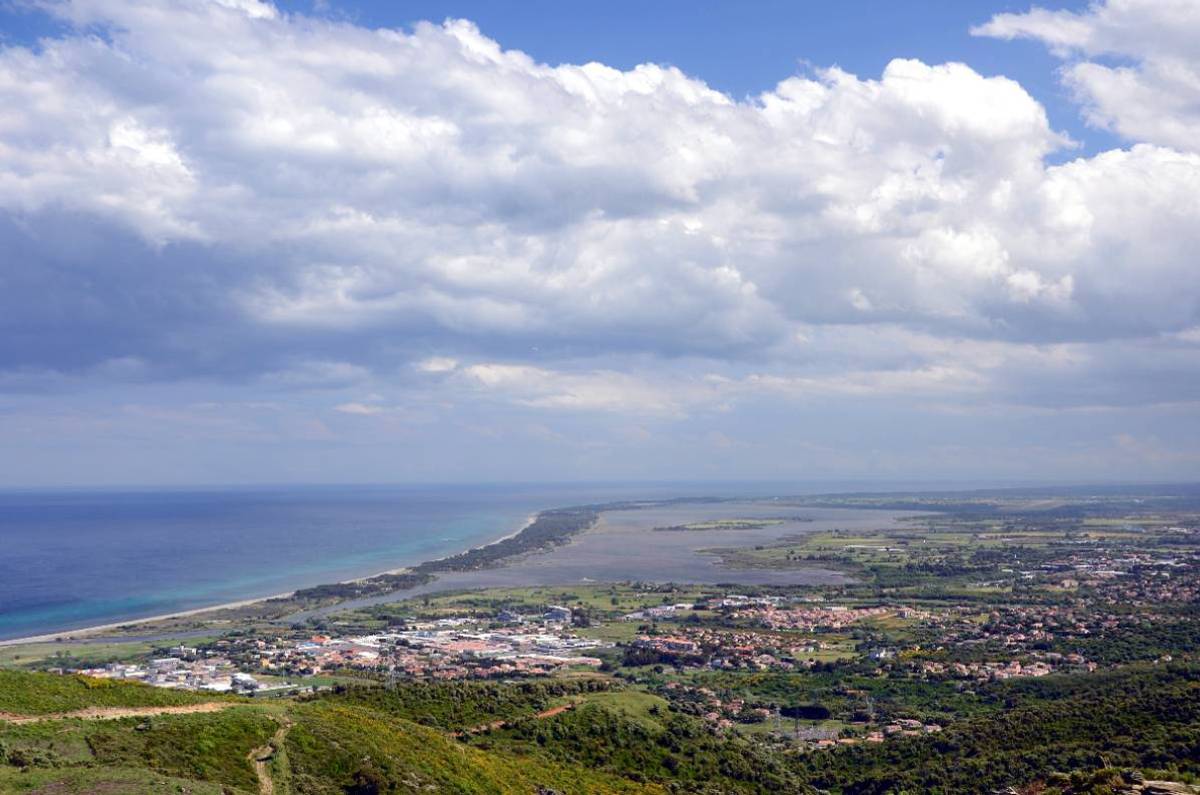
366,741
206,747
1148,719
549,529
353,742
679,751
337,749
462,706
1137,643
210,747
356,589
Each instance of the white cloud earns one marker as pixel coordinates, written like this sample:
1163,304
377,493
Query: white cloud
327,203
1154,99
433,175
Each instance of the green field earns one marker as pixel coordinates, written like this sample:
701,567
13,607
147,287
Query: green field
70,654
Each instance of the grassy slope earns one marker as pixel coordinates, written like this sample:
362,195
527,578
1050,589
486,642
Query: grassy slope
634,704
41,694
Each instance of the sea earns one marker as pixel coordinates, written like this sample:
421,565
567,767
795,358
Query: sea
73,559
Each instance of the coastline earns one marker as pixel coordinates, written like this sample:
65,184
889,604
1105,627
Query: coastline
508,560
529,520
83,632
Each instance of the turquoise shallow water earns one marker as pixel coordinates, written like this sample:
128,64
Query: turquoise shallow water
75,559
80,558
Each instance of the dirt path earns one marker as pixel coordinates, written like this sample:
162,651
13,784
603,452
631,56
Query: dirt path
550,713
500,724
261,758
113,713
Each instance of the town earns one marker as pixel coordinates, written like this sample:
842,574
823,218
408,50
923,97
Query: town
511,645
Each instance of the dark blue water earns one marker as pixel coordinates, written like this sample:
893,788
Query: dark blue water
75,559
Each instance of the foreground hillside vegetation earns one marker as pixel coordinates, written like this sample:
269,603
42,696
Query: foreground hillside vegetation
365,741
353,742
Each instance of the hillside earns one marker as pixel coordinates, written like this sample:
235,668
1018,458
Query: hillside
44,694
557,737
332,746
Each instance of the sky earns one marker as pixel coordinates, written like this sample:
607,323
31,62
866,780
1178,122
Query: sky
464,241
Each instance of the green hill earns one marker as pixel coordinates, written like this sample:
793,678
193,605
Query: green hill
333,749
501,739
335,745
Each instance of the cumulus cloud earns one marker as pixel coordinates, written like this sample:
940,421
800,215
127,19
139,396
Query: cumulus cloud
1133,63
222,190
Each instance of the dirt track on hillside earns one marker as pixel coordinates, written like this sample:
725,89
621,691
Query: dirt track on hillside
501,724
113,713
261,758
